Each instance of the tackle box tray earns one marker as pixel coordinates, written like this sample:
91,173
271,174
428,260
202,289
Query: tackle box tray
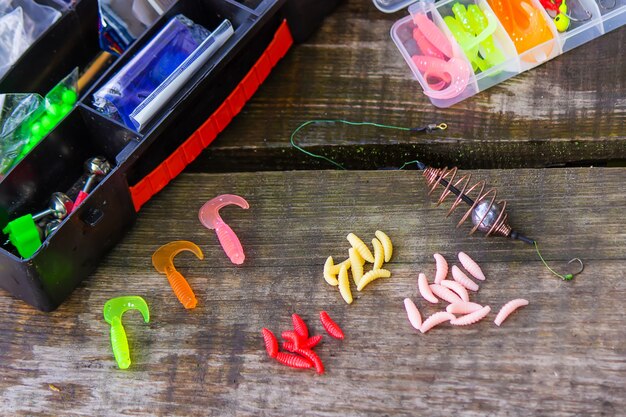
606,15
142,163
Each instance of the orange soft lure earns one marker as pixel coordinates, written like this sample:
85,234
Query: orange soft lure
523,22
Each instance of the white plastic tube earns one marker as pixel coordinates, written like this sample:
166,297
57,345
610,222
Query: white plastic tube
175,81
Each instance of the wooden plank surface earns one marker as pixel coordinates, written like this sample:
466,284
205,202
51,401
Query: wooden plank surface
563,355
570,110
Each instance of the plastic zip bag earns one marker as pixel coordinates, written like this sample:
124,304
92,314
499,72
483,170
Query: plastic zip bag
177,79
123,21
25,119
62,5
21,23
147,70
15,109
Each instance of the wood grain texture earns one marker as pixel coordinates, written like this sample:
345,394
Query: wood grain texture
563,355
571,110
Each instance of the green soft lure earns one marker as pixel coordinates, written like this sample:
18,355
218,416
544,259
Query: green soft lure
113,311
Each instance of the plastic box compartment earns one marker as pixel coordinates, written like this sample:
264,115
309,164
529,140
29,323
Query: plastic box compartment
70,42
142,163
55,164
603,20
613,17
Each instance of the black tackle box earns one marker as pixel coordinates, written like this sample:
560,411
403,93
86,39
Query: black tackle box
142,163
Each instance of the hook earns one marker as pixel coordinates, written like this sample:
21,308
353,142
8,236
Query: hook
563,18
574,19
582,266
566,277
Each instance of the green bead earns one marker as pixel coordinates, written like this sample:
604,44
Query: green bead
69,97
54,109
65,109
29,146
36,129
46,123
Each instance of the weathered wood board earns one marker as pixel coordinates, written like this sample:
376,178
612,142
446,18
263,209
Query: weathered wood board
568,111
563,355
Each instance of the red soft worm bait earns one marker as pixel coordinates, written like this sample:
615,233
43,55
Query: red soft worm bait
331,327
293,337
289,346
300,326
309,344
313,341
293,361
299,344
312,356
271,344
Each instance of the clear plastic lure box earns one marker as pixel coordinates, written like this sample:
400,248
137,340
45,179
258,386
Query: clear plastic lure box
606,15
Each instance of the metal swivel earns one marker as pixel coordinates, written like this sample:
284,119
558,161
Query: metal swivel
96,168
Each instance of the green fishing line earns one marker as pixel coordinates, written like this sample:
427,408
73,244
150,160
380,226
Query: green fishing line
408,163
428,128
566,277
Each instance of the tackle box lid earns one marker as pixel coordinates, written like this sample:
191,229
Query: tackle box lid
390,6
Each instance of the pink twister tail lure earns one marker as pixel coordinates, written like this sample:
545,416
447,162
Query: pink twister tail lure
434,35
425,46
455,73
209,216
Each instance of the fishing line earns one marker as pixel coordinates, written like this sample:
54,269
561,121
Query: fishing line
428,129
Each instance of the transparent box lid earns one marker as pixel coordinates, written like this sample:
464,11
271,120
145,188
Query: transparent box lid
390,6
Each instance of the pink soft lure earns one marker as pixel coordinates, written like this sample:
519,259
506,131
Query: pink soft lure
464,307
425,46
457,69
434,35
435,320
471,266
209,216
452,76
413,313
460,277
457,288
471,317
444,293
442,268
424,288
435,71
508,308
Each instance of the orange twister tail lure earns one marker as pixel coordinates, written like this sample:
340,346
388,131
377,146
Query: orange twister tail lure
523,22
163,261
